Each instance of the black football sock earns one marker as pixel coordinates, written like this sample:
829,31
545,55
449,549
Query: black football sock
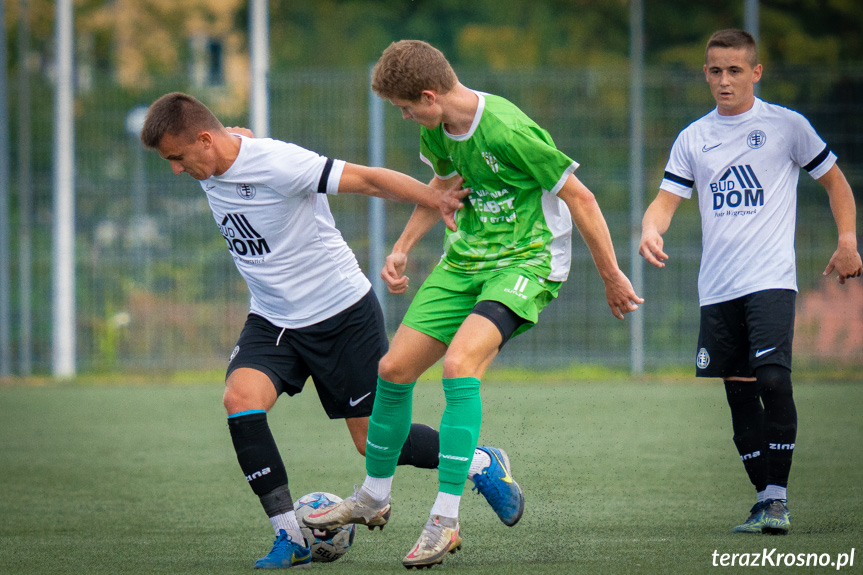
780,419
260,461
747,421
421,448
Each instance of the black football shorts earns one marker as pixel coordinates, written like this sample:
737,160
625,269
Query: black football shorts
742,334
340,354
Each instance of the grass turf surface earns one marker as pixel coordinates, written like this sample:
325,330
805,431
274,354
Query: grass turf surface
618,478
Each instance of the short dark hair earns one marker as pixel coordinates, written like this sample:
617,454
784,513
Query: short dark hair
734,38
408,67
177,113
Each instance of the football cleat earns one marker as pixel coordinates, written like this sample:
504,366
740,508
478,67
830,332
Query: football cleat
349,510
776,519
285,554
439,537
496,484
755,521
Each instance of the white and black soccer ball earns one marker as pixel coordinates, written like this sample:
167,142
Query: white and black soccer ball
326,545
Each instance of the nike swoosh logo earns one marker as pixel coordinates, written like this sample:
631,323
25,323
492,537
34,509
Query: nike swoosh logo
507,478
704,148
320,514
356,402
209,188
761,352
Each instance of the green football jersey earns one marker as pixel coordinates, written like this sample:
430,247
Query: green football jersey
512,216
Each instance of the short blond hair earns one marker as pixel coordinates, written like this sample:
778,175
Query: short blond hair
408,67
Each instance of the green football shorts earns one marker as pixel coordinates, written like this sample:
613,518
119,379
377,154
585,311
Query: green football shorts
447,297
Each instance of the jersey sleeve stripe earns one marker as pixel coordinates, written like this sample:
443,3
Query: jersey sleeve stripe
678,180
325,176
818,159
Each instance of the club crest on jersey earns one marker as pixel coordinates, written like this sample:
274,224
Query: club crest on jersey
702,360
738,187
246,191
756,139
491,161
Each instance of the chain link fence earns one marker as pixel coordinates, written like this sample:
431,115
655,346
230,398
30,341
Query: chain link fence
156,289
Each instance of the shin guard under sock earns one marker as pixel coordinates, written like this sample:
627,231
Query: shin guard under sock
459,432
747,420
389,427
780,421
260,460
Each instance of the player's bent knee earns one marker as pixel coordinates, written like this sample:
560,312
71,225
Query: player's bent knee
774,379
237,399
457,364
394,370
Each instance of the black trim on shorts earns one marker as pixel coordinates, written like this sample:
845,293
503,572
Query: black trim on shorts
325,176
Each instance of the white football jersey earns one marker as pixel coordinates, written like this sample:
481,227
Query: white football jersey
746,168
271,207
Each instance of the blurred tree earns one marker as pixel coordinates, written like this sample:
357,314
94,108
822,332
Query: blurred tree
136,39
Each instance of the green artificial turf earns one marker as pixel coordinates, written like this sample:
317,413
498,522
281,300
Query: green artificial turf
619,477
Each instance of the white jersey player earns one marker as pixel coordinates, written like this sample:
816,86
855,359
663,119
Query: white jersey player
271,207
313,313
744,159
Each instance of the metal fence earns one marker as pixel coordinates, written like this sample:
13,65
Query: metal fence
156,289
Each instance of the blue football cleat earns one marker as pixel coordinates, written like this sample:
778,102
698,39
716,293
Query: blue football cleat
285,554
496,484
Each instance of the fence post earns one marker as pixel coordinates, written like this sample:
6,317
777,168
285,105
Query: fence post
636,178
377,206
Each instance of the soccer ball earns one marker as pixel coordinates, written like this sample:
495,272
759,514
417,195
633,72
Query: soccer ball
326,545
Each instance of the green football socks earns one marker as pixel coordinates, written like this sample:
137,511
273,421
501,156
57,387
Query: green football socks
389,426
459,432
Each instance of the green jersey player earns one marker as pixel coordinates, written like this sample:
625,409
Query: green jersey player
500,268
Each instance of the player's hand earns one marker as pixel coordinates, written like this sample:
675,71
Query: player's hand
241,131
650,249
620,295
846,261
450,200
393,273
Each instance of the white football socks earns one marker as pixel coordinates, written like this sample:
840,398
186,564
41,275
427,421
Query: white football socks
377,488
774,492
480,461
288,522
446,505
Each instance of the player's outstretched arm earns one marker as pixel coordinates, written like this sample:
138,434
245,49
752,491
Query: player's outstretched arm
591,224
656,220
392,185
846,259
